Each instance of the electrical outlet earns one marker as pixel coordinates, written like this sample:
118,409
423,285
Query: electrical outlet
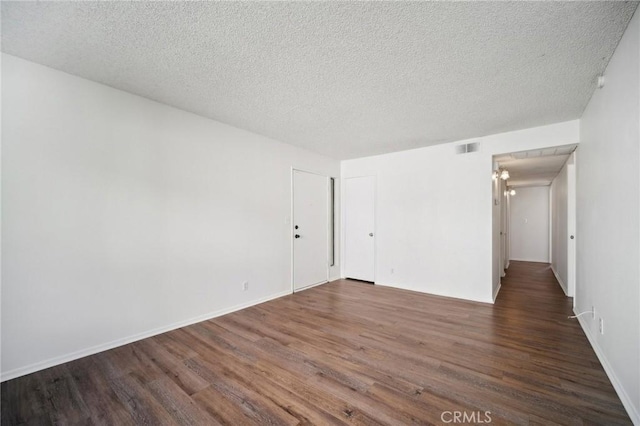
601,326
245,286
593,312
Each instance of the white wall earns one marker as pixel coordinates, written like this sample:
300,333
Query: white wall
559,227
529,221
434,212
608,219
122,217
499,229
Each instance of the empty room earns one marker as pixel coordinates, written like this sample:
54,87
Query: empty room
320,213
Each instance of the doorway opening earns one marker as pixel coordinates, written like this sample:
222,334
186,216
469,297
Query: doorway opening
534,212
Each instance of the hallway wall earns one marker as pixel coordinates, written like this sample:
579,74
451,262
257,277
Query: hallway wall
559,226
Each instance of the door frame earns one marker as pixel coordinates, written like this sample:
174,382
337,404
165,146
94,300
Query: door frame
291,230
504,219
343,228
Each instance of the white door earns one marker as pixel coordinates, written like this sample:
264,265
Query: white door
571,228
359,226
310,229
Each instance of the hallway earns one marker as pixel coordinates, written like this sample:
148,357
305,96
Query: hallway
530,288
344,352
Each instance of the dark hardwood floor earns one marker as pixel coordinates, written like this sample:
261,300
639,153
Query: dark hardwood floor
344,352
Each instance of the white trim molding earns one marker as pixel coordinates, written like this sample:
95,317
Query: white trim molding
311,286
433,293
563,286
495,293
622,394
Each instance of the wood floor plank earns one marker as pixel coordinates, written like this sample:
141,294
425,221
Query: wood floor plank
183,409
172,366
105,408
143,408
343,353
261,409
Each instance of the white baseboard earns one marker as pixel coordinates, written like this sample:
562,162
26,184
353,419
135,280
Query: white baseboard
495,293
403,287
562,284
310,286
632,410
530,260
32,368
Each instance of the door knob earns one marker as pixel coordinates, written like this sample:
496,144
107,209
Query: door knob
572,237
297,236
371,234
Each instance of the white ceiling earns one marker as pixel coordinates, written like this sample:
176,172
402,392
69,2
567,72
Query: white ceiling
346,79
535,167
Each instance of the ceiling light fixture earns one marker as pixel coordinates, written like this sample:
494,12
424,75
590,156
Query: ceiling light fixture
504,174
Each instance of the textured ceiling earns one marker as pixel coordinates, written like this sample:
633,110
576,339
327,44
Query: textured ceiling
535,167
346,79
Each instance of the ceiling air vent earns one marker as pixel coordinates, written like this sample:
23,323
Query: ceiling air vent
467,148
